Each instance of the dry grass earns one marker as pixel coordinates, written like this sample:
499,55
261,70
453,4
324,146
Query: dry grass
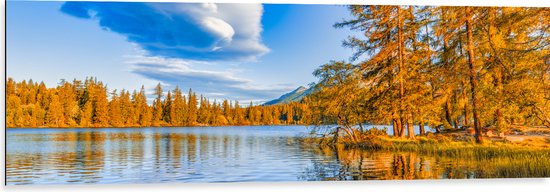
450,145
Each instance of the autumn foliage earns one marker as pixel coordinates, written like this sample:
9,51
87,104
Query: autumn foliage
446,67
90,104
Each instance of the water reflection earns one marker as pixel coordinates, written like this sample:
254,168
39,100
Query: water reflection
154,155
356,164
221,154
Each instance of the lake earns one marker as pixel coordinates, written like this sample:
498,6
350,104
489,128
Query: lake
209,154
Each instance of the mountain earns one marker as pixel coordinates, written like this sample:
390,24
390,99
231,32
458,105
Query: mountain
295,95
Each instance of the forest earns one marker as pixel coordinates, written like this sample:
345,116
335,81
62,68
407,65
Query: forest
452,68
447,68
90,104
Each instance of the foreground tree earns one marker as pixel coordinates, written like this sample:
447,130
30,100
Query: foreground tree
388,44
437,65
337,98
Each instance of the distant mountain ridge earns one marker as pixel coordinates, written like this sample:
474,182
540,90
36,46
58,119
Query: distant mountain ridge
295,95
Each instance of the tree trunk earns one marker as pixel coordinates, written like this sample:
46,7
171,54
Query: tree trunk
473,74
395,132
429,60
400,72
336,135
410,126
351,133
448,113
465,97
402,127
421,125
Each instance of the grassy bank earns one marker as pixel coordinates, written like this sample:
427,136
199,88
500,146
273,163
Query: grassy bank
451,148
492,159
442,145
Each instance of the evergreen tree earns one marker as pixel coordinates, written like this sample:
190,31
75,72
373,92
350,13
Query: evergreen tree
192,109
126,109
158,108
167,108
54,115
178,109
101,108
115,110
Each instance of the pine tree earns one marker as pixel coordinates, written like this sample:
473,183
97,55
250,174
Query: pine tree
101,108
115,110
54,115
238,116
202,113
388,32
67,97
126,109
192,109
167,108
86,114
178,109
158,108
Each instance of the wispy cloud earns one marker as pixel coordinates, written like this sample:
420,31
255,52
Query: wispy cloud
181,30
211,83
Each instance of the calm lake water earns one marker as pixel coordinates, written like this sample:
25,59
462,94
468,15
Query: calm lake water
205,154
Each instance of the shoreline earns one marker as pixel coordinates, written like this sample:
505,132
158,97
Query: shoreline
442,145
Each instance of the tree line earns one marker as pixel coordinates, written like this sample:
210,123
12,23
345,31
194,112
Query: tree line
446,67
90,104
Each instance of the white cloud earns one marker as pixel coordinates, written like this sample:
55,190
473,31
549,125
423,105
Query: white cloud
213,84
182,30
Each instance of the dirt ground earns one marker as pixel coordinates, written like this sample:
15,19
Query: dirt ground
521,135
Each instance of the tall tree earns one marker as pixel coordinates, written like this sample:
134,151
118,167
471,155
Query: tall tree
55,113
192,108
337,98
473,71
388,31
178,109
101,105
158,108
115,110
167,108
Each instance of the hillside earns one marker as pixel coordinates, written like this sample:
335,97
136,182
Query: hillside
295,95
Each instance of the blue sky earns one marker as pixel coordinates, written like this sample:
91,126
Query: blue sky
242,52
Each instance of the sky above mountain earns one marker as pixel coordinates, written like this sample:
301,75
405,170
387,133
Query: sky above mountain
245,52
